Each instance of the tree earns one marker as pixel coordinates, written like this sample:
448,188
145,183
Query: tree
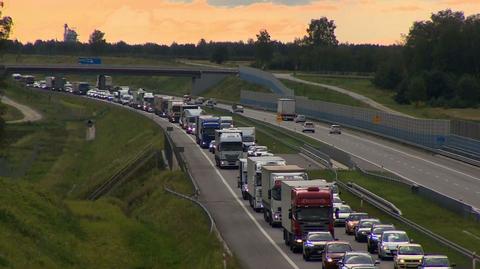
321,32
417,90
6,24
468,89
389,75
97,41
263,48
220,54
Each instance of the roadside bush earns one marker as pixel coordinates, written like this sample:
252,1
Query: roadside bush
468,90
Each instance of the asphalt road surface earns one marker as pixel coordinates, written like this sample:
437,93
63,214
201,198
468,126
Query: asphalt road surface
452,178
250,238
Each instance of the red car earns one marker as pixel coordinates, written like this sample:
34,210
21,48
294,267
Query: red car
333,252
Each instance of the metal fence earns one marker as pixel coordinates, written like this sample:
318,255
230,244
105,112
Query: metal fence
426,133
265,79
465,128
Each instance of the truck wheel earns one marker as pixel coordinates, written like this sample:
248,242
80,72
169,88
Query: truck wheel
265,217
250,201
244,195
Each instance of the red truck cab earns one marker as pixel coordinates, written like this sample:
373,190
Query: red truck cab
309,209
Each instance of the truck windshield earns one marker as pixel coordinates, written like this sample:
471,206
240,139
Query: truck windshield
277,193
312,214
209,131
258,179
231,146
191,119
248,139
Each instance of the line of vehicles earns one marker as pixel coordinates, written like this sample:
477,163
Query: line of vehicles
306,210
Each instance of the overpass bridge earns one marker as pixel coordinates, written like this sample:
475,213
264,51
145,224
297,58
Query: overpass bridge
202,77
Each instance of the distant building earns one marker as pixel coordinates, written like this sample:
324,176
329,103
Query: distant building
69,35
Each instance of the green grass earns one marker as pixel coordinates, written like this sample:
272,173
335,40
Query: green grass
39,230
73,59
229,89
11,113
44,224
385,97
320,93
54,152
415,208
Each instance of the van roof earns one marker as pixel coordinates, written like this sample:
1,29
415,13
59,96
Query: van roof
283,168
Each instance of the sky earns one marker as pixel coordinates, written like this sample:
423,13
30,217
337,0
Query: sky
187,21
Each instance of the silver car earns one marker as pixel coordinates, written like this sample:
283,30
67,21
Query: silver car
389,242
436,262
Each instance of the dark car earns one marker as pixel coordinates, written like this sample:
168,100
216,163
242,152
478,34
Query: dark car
356,259
375,233
352,221
333,252
315,243
363,229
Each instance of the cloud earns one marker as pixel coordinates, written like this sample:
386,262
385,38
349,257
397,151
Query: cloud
404,8
234,3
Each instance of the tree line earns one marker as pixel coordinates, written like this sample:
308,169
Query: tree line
6,24
438,63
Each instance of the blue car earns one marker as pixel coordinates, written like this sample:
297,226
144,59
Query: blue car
374,235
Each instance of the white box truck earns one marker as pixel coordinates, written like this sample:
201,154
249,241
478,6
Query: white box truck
242,178
229,147
286,109
306,207
248,137
272,177
254,178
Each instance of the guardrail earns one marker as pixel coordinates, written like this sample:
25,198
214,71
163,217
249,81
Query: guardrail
141,158
390,209
194,198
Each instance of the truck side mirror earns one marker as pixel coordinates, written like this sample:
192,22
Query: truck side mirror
269,194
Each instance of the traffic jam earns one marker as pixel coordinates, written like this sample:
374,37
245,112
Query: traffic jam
306,210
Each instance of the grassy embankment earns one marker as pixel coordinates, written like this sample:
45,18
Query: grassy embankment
11,113
44,223
365,87
447,223
319,93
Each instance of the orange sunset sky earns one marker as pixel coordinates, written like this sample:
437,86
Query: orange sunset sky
165,21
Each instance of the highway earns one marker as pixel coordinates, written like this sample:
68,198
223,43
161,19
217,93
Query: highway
453,178
250,238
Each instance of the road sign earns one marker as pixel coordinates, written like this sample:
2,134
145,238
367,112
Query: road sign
279,118
377,119
83,60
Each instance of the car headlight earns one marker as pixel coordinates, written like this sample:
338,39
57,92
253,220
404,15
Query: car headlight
401,261
299,240
384,247
329,259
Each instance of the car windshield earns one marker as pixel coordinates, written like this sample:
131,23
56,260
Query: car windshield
309,125
338,248
379,230
410,250
344,209
231,146
436,262
320,237
312,214
359,259
356,217
395,237
367,224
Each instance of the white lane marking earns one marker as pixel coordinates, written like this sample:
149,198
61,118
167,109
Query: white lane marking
471,234
404,153
284,255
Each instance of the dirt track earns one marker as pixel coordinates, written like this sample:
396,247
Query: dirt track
29,115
